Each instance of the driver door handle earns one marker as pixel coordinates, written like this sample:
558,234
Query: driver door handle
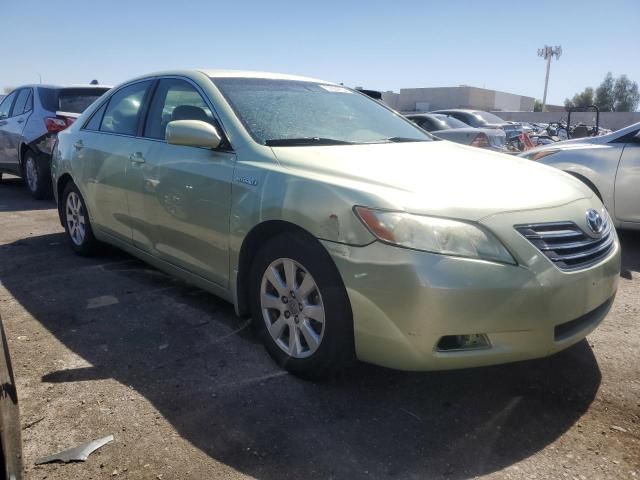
137,157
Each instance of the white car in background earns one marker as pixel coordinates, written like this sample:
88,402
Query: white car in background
608,164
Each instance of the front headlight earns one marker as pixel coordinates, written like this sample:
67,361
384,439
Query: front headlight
434,234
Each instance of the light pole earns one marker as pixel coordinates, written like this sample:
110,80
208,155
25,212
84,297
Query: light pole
547,53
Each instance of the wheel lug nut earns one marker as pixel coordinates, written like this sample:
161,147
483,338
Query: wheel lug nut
287,314
285,300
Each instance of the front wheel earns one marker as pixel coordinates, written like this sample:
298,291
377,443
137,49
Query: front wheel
76,221
300,306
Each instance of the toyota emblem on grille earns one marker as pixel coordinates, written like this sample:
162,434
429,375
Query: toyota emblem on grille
595,221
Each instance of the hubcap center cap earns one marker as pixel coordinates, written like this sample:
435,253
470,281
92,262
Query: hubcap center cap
293,306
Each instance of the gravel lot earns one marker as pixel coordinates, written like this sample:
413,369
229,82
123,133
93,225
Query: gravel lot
110,346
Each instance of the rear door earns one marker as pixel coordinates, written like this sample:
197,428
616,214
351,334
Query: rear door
5,146
102,156
180,196
627,189
16,122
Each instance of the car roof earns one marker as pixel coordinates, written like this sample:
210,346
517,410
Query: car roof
258,74
461,110
47,85
221,73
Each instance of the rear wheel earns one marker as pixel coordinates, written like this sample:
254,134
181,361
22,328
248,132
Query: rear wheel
76,221
300,306
35,175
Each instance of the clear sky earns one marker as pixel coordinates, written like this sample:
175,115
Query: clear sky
383,45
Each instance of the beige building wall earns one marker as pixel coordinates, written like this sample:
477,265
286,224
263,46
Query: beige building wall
421,99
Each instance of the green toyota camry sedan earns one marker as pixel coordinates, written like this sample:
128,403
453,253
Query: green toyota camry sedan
339,226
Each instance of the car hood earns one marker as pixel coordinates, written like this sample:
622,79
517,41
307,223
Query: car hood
437,178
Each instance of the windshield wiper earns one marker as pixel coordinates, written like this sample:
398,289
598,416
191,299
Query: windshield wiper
404,139
304,141
400,140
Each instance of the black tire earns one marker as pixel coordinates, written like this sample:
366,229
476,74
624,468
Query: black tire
88,244
38,180
336,347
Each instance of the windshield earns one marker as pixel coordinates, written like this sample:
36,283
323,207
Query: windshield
449,122
296,113
489,117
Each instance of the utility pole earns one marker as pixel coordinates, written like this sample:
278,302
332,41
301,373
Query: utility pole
547,53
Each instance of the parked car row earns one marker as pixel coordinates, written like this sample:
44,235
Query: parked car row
471,127
449,128
340,226
30,118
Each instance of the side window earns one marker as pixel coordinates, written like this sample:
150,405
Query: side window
175,99
21,102
96,119
123,111
5,106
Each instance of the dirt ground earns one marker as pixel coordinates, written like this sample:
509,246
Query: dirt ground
108,345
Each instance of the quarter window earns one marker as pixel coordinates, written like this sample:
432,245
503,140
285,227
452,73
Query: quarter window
175,99
123,111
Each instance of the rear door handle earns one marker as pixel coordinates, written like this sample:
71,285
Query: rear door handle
78,145
137,157
3,123
21,120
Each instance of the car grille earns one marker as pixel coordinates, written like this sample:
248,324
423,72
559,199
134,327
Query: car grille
567,245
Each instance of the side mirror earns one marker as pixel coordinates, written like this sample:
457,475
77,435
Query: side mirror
192,133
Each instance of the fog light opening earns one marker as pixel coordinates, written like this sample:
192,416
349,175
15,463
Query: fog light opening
471,341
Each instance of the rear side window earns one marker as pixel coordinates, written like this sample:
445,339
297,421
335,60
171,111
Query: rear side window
76,100
175,99
123,111
21,102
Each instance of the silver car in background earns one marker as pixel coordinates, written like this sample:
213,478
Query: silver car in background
608,164
448,128
30,118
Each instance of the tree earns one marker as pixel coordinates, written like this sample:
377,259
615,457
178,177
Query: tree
625,94
604,94
583,99
537,106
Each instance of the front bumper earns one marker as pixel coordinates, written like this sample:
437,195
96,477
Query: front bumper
405,301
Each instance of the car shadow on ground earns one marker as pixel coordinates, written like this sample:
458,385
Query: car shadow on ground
14,196
205,372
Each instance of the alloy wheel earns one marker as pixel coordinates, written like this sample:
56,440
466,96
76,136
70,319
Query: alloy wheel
75,218
292,308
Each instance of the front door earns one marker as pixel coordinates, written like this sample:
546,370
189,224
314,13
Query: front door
180,196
